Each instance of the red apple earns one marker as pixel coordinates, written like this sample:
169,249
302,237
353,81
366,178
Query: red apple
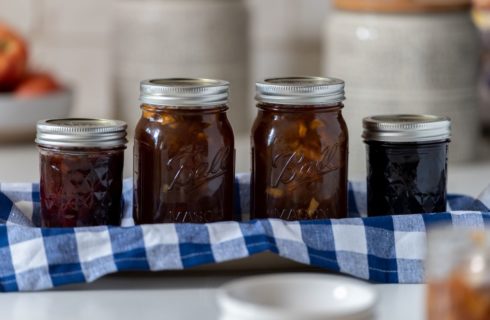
36,84
13,58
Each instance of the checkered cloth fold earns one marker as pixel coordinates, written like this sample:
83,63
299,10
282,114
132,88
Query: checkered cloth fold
386,249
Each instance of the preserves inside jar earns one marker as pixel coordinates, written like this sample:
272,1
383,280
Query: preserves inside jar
299,160
457,298
406,178
183,165
81,186
457,273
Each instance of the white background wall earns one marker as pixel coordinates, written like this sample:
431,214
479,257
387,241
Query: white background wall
73,39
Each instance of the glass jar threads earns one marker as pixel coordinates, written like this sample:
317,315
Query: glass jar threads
299,149
81,162
406,163
184,152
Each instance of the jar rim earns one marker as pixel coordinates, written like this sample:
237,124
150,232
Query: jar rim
81,132
184,92
300,90
406,128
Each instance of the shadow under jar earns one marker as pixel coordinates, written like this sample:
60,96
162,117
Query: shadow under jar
184,153
406,163
81,165
299,149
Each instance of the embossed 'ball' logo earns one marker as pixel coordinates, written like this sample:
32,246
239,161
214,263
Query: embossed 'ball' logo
295,166
190,169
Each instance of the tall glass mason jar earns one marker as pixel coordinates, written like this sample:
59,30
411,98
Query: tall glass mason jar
184,152
299,149
81,168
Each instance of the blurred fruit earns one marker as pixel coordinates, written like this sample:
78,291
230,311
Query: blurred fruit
13,58
36,84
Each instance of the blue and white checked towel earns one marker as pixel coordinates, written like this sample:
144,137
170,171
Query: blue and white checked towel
382,249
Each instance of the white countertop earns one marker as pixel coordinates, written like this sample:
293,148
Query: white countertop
160,296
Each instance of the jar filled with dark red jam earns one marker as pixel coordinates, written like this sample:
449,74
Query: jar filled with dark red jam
406,163
299,149
184,152
81,165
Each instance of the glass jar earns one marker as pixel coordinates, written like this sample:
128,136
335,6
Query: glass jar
184,152
458,274
81,164
299,150
406,163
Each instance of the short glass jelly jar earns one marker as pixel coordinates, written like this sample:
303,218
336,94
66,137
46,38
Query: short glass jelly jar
81,166
406,163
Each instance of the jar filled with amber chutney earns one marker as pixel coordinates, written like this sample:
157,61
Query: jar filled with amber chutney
81,162
299,149
184,152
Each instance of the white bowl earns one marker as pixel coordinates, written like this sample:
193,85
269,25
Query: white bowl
18,116
298,296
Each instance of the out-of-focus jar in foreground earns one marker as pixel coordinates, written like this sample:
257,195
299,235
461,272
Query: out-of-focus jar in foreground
458,274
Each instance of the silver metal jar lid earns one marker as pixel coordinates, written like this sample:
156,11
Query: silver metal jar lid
81,133
184,92
406,128
300,91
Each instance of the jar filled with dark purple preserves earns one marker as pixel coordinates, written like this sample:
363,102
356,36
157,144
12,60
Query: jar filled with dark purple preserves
184,152
299,149
406,163
81,165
